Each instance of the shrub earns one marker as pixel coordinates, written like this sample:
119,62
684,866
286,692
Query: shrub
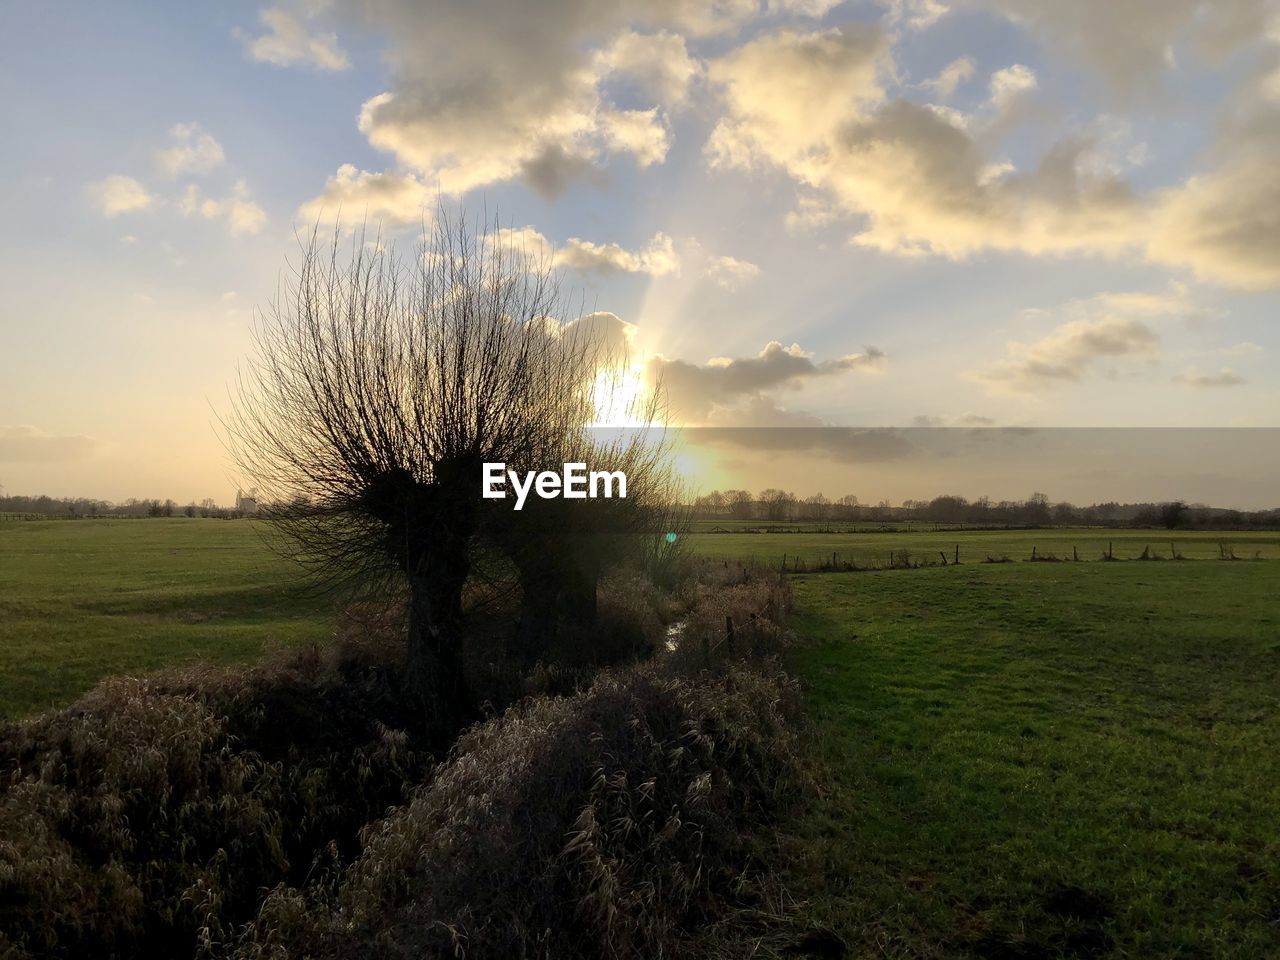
148,817
617,823
621,820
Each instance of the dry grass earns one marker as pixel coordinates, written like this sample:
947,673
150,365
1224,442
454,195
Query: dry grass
294,808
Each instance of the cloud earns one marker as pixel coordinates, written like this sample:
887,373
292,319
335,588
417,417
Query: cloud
1225,224
657,258
918,179
289,41
730,272
393,198
487,91
1204,381
28,444
614,336
658,62
951,76
915,14
1010,93
789,92
1132,45
193,150
642,133
1224,221
1110,326
119,194
703,393
813,105
237,209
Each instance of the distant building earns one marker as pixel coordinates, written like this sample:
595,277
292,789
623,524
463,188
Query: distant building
247,502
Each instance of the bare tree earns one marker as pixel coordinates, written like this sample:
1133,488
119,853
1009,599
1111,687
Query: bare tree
561,548
377,390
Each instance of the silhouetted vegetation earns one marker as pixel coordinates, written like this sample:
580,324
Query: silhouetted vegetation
152,817
378,390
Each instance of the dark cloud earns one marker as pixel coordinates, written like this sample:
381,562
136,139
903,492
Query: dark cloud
694,391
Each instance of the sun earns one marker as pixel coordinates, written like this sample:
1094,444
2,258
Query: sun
621,397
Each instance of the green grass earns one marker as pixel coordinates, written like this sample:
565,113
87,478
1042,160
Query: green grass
1045,760
81,600
872,547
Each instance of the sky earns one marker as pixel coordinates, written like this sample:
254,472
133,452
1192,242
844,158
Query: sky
973,214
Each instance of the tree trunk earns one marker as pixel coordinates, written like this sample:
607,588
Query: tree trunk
578,599
539,610
435,664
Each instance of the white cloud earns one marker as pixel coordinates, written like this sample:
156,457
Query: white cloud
192,150
659,62
916,14
950,77
488,91
119,194
396,199
485,92
917,179
657,258
1131,44
788,94
238,209
290,41
638,132
813,105
730,272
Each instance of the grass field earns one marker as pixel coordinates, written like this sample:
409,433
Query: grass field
1024,760
1046,760
80,600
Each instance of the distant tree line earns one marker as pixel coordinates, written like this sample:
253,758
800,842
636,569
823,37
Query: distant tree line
78,508
775,505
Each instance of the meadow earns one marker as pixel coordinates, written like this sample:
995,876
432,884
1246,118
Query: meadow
85,599
1016,760
1045,760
